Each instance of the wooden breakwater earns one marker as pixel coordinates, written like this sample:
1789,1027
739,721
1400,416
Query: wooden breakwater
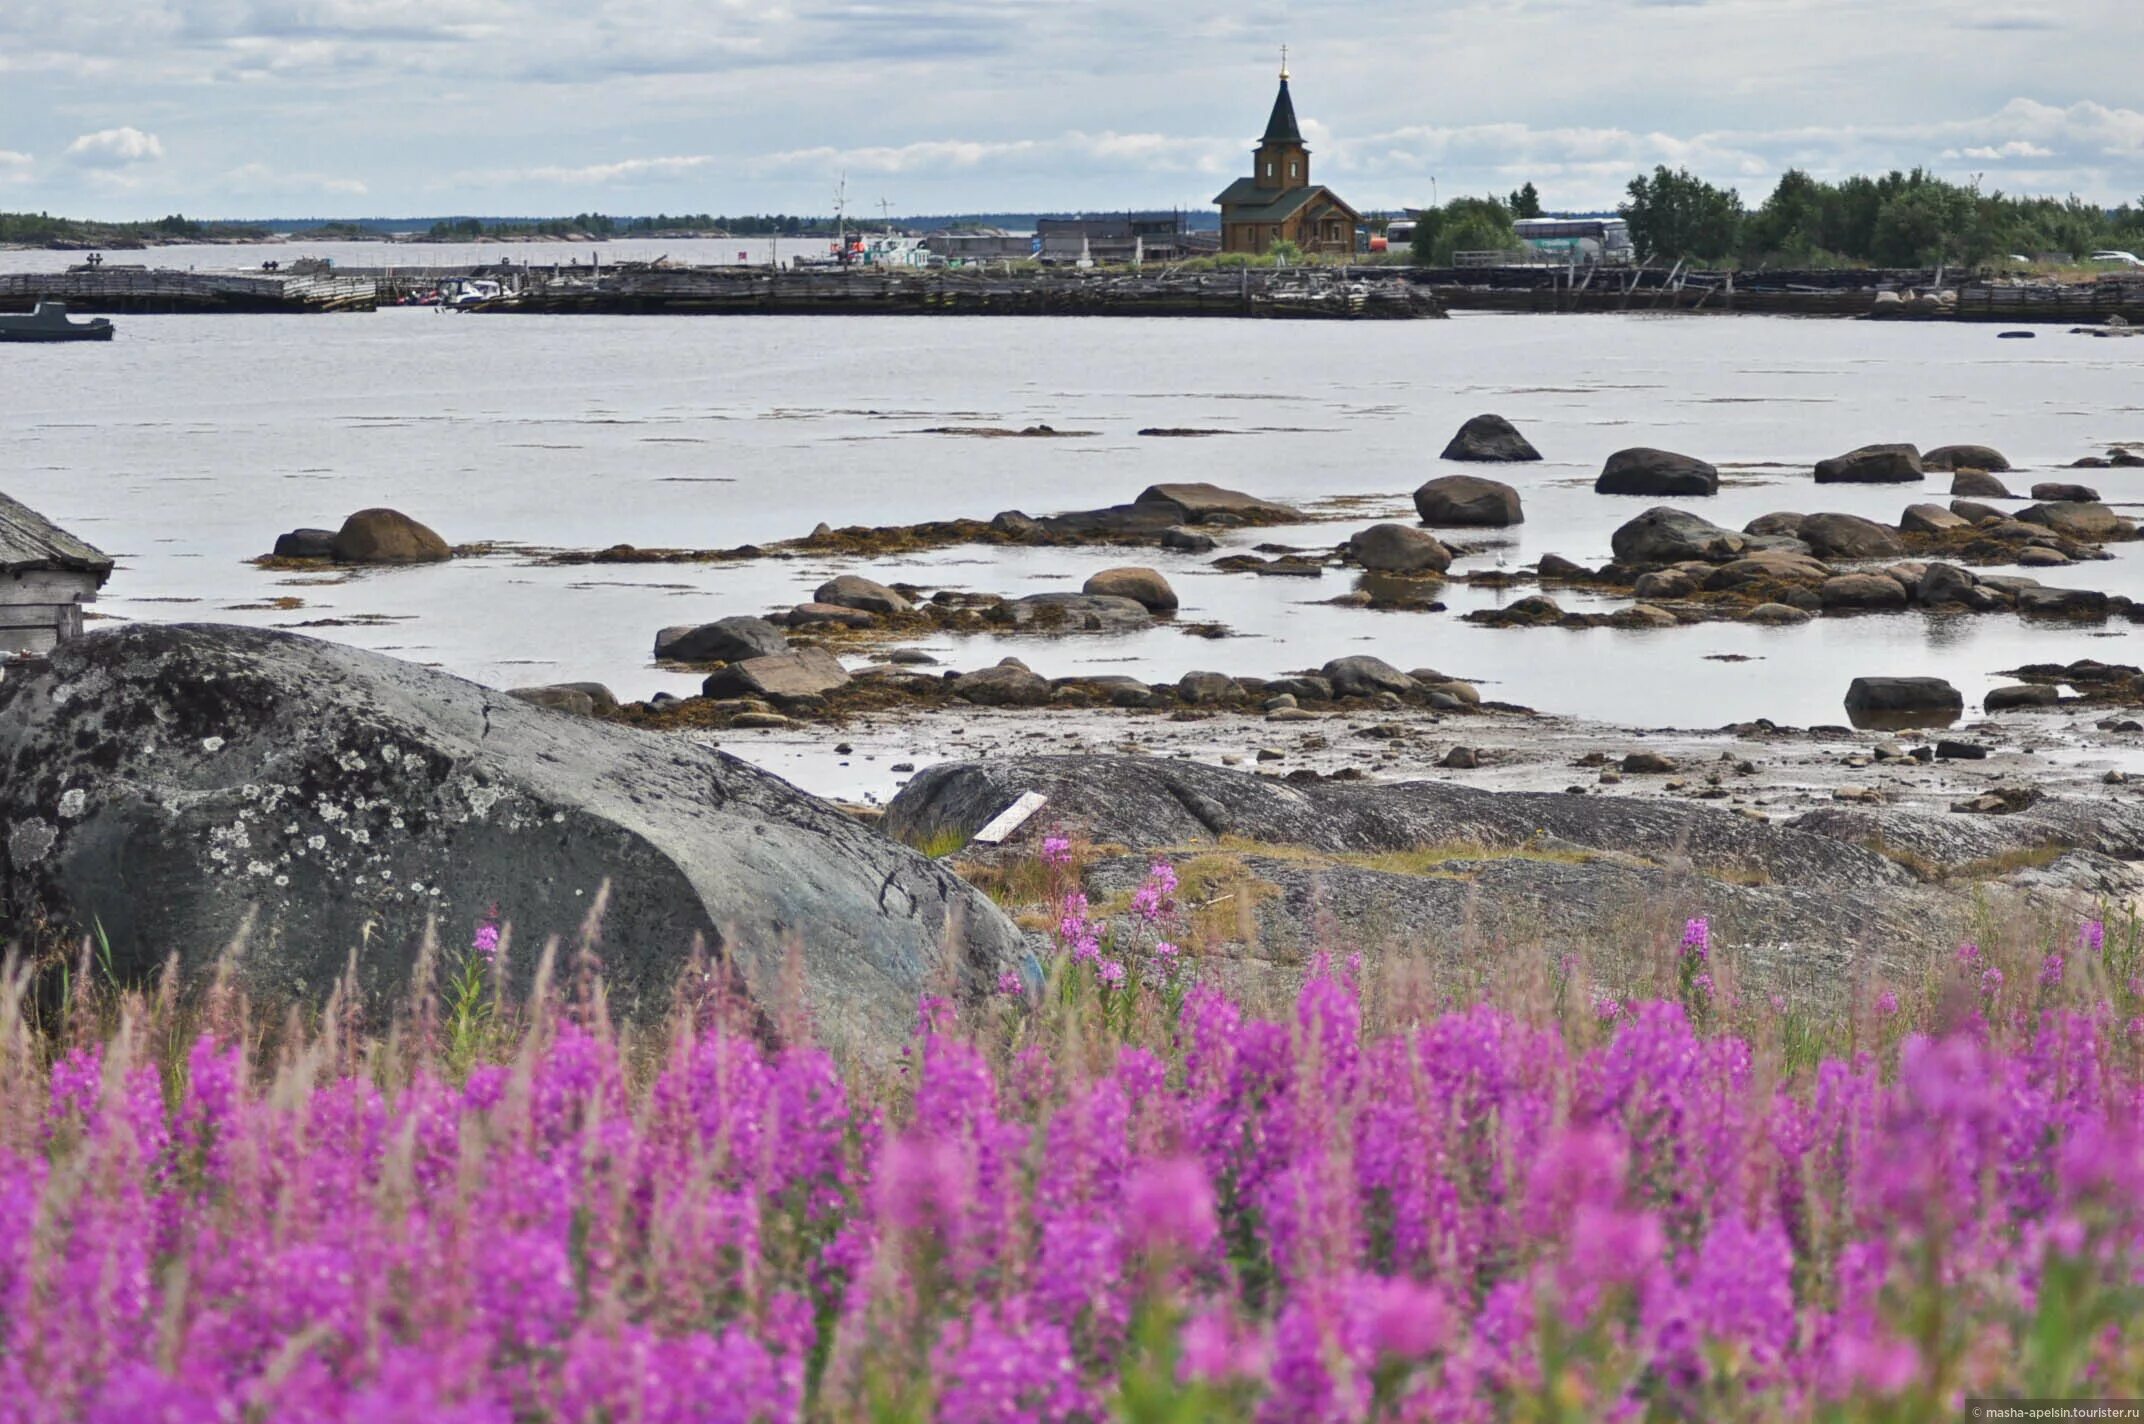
112,288
1882,296
1297,294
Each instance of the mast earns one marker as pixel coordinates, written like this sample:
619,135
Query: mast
841,221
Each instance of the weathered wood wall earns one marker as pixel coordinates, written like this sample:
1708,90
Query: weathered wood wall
148,289
40,608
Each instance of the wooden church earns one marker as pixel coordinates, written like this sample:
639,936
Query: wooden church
1278,202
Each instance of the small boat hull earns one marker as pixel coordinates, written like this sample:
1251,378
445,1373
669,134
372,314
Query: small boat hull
101,332
49,323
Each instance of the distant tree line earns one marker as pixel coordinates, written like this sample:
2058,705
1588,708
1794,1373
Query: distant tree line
1901,219
39,229
600,225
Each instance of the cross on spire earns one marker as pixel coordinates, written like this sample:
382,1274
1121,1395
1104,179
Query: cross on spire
1283,61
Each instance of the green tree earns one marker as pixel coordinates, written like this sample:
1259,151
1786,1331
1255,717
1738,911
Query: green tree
1525,201
1790,230
1462,225
1927,222
1678,215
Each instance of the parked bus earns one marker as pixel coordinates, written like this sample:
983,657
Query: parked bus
1587,239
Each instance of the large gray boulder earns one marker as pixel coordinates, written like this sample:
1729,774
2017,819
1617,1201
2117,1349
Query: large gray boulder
1361,675
1902,701
1196,502
1490,438
1849,536
1979,484
1468,500
2076,519
1399,549
785,677
856,591
305,544
1669,536
1143,586
1079,613
1656,472
171,787
726,640
387,536
1872,465
1965,457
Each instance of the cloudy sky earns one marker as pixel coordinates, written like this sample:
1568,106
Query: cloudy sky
134,108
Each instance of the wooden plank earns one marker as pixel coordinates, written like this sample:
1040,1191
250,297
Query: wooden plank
1011,818
47,586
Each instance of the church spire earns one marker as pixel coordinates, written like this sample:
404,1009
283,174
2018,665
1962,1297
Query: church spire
1281,127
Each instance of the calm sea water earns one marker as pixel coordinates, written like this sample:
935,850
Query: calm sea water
185,446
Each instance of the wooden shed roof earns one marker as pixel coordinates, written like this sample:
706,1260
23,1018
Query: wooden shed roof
30,541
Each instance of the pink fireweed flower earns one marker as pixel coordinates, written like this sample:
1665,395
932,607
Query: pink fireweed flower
1220,1350
1165,951
1991,981
1401,1319
1967,953
1087,947
2051,971
1605,1009
486,943
1056,850
1697,937
1703,984
1156,899
1110,972
1169,1206
1887,1004
1011,985
1866,1364
2093,936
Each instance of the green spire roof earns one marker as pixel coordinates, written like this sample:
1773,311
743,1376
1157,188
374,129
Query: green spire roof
1281,127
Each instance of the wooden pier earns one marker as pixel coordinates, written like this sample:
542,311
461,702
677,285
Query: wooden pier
1290,294
114,288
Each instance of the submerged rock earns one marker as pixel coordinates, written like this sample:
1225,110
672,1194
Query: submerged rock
173,786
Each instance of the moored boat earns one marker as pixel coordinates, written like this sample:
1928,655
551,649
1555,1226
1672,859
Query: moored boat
49,322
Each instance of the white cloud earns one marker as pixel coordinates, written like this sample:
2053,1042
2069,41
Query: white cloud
114,148
2016,148
259,178
625,170
15,167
